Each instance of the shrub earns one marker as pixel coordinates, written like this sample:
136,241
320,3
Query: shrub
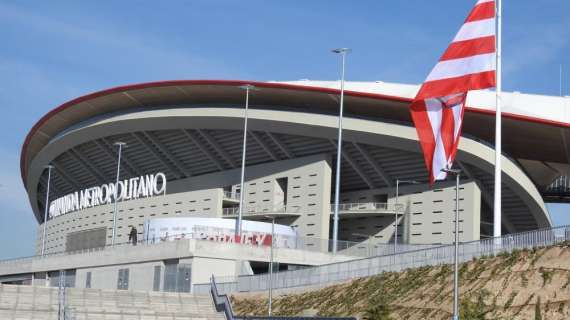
546,275
377,309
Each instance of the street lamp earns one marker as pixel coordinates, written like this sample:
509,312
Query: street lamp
271,263
247,88
398,181
120,145
343,52
49,167
457,173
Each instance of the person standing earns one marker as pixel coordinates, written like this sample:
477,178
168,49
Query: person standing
133,235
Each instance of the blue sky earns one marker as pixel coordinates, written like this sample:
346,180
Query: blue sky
53,51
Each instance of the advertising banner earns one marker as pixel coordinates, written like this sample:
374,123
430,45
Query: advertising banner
219,230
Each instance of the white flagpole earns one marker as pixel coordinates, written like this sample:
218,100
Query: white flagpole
342,52
497,198
46,209
238,229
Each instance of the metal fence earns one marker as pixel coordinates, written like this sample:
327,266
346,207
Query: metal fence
368,207
231,195
223,304
561,183
342,271
261,210
358,207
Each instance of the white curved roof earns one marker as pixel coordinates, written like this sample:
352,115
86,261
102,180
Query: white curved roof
547,108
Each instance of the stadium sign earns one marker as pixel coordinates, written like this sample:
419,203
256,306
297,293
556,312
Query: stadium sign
133,188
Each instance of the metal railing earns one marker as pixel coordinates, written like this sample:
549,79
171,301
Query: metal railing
221,301
231,195
261,210
343,271
342,207
223,304
368,207
561,183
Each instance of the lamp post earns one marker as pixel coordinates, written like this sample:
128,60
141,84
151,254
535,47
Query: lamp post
49,167
271,264
120,145
247,88
457,173
343,52
398,181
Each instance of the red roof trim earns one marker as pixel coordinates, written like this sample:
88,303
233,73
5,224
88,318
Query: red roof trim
285,86
515,116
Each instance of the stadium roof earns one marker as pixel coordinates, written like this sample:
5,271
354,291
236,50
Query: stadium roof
535,127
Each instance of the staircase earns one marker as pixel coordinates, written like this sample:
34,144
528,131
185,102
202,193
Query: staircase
33,302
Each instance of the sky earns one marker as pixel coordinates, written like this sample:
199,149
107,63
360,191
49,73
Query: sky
54,51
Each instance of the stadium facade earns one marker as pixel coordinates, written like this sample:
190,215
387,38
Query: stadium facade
183,157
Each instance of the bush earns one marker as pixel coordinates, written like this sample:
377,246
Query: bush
377,309
477,310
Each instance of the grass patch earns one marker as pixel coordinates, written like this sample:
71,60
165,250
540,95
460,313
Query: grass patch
546,275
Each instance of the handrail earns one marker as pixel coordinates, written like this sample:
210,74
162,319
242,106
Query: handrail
356,206
223,303
261,210
368,206
231,195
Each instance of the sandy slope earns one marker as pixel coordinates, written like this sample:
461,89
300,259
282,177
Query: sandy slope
522,285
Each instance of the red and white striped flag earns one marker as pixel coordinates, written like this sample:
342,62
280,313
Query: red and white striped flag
467,64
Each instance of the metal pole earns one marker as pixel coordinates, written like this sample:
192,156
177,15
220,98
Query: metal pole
343,52
61,295
116,195
237,232
49,167
271,265
497,197
397,207
455,258
396,221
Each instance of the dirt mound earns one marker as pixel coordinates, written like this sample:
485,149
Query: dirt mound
528,284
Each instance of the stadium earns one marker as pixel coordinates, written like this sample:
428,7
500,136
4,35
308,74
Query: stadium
180,179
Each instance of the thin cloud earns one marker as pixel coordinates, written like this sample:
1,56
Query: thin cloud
94,42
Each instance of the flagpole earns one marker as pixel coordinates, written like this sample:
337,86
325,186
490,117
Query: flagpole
237,231
497,198
342,52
